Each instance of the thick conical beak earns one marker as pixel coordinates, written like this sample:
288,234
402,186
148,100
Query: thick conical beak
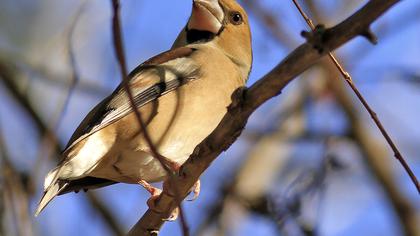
207,15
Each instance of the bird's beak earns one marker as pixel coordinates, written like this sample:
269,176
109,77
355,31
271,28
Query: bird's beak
207,15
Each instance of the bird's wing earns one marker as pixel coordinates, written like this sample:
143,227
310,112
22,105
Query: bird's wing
152,79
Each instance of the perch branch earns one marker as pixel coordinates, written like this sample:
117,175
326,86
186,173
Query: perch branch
245,102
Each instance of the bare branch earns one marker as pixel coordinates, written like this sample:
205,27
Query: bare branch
372,38
374,153
245,102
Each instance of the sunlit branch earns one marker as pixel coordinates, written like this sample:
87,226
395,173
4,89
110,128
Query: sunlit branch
245,102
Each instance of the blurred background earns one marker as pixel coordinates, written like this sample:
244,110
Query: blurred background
310,161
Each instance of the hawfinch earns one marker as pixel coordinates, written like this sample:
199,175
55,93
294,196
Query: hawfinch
182,95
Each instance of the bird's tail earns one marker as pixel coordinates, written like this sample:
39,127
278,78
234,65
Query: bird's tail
47,197
52,187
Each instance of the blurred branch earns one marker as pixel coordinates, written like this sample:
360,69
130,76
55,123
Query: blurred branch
291,106
265,160
250,189
42,74
389,29
2,204
62,108
13,185
374,153
14,188
245,102
276,28
74,78
106,213
9,74
290,204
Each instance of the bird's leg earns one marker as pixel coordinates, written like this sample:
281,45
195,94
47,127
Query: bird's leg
174,215
175,167
155,192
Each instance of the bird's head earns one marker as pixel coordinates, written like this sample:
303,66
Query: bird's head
223,22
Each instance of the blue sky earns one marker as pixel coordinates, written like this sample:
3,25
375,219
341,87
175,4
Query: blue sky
353,203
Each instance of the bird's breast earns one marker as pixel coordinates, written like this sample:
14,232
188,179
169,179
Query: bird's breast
176,122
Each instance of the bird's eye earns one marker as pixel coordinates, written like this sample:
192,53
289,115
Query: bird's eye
236,18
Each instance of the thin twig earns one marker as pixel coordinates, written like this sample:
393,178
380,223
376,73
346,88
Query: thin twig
119,50
374,116
373,151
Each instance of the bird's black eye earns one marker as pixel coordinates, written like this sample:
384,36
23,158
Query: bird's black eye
236,18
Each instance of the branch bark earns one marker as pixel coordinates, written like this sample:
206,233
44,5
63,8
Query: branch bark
245,102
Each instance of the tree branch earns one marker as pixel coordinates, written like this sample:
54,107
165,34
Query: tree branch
372,150
347,77
245,102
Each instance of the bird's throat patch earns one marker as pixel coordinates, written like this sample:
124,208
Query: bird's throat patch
194,36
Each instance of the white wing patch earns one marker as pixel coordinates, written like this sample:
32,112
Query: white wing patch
96,147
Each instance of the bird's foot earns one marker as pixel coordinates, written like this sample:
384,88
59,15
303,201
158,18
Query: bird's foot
155,192
151,202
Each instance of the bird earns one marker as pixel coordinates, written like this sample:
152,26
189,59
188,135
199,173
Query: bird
182,95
